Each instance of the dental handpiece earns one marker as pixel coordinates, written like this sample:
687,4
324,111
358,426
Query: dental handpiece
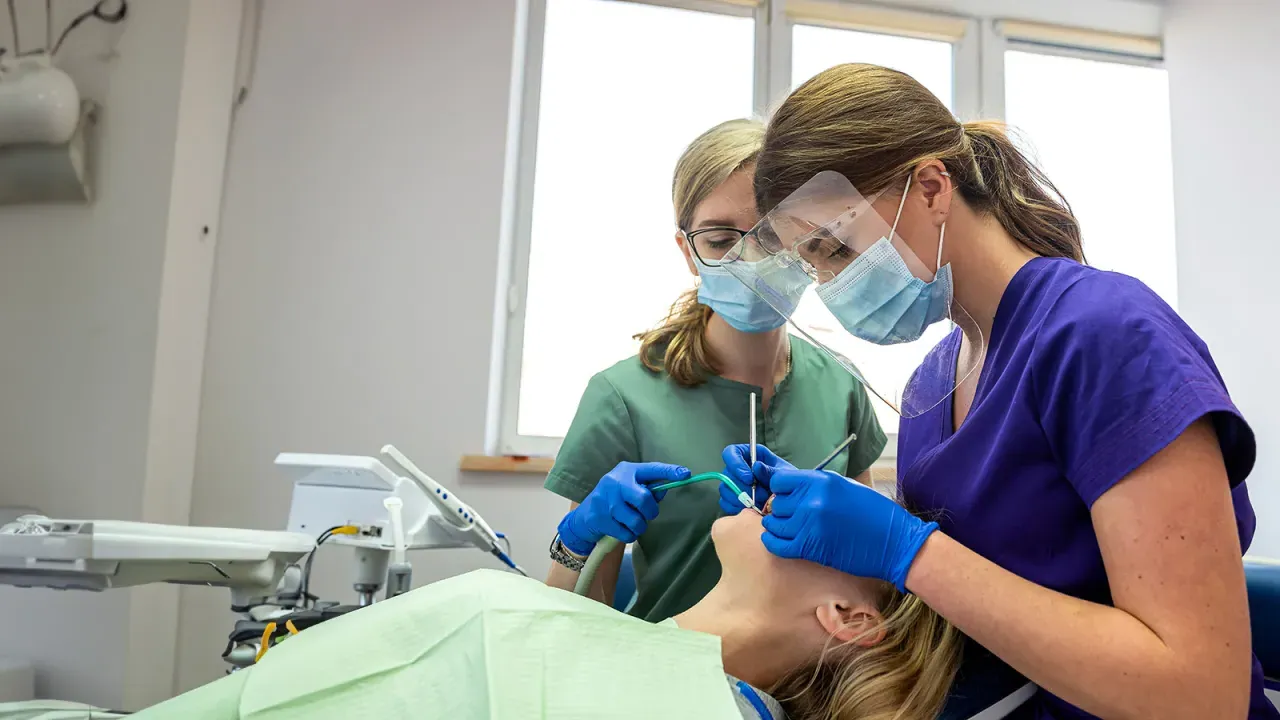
752,420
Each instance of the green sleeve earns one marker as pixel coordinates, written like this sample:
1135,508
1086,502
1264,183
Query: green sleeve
871,439
600,436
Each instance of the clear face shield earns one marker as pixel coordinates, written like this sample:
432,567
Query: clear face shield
885,310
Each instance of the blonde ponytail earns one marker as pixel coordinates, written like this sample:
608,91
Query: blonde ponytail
678,345
1018,194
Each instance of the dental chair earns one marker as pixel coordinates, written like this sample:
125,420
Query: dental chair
1263,579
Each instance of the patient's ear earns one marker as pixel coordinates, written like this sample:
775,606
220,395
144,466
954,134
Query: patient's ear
860,624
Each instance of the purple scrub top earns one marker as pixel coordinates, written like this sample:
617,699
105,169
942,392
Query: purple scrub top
1088,374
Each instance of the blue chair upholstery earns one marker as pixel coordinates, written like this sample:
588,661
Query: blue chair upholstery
1263,578
625,592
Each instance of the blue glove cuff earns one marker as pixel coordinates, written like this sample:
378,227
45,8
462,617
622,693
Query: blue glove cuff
910,548
571,540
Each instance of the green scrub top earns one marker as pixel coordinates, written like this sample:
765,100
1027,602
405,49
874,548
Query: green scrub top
630,413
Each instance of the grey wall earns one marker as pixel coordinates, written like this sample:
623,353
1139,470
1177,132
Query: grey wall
354,292
102,311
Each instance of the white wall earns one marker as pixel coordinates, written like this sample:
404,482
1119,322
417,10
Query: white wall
354,289
1222,58
102,311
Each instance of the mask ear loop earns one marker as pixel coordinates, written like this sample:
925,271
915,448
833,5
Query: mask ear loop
901,204
942,232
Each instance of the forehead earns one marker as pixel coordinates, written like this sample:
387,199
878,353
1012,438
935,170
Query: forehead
732,202
826,198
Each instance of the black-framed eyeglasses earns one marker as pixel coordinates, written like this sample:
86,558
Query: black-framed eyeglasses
710,244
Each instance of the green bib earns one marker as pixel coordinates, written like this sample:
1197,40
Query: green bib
486,645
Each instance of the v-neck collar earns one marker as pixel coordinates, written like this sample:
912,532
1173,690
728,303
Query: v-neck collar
748,387
1008,302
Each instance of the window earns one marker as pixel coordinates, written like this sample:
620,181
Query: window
1100,131
624,88
615,90
815,48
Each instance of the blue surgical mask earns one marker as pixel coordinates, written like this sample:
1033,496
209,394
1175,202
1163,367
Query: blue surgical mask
878,299
735,302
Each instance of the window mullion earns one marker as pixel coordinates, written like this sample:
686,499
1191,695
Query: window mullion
773,55
513,297
992,47
967,74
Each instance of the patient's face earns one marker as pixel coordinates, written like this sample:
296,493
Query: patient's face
747,563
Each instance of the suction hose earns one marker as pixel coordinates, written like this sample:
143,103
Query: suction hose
609,544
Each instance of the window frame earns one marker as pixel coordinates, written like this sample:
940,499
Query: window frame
980,31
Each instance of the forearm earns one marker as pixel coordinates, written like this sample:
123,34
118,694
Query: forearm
1099,658
602,585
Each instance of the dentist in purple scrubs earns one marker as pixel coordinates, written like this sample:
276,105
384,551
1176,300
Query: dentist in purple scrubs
1079,500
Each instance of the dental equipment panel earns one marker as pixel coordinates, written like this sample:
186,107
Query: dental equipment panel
349,500
36,551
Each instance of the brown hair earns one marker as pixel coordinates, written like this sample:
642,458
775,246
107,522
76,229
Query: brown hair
678,345
874,125
905,676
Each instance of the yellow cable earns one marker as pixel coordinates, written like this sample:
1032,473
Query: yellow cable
266,641
345,530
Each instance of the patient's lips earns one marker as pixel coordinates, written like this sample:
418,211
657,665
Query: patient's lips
768,505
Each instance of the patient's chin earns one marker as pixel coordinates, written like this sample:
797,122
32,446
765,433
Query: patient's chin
737,537
719,528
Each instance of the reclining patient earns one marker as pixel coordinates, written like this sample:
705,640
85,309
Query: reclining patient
495,645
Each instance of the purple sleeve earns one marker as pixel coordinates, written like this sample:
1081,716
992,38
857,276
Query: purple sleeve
1118,376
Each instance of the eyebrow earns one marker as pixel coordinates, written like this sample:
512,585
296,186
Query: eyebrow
717,223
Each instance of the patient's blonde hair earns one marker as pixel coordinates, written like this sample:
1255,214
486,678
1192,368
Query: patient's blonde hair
678,345
905,676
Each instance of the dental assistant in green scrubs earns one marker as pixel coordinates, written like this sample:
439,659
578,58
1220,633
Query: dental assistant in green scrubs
686,396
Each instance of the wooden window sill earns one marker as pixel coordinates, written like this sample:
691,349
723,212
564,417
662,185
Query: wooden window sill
881,472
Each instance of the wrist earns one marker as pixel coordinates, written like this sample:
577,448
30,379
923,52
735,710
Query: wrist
571,541
921,567
575,548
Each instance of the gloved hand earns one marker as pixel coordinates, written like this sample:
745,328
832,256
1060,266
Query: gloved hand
620,506
829,519
737,459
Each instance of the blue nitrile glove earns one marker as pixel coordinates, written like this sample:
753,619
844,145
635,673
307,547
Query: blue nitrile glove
737,458
621,505
829,519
